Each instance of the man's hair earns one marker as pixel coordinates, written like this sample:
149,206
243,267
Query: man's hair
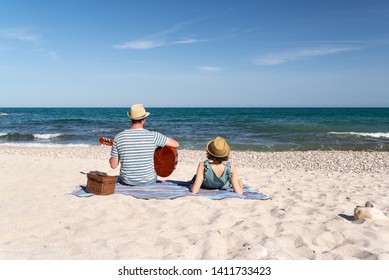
216,160
137,121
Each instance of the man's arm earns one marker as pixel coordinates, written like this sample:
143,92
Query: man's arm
172,143
114,162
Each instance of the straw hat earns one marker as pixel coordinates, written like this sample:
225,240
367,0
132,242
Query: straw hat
137,112
218,147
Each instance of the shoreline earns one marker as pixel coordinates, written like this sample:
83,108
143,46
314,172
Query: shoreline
310,216
376,162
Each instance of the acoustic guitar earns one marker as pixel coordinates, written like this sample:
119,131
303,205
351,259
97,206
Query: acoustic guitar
165,158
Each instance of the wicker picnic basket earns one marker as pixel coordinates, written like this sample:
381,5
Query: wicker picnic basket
100,183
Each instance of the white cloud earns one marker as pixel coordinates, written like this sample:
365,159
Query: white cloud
144,44
24,35
18,34
299,54
159,39
141,44
186,41
209,69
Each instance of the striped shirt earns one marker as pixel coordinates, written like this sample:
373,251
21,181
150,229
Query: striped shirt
135,150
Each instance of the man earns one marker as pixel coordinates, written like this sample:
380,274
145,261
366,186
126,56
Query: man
134,149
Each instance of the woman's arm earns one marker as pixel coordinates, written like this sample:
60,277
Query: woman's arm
195,187
238,188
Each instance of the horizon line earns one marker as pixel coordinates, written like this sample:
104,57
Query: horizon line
194,107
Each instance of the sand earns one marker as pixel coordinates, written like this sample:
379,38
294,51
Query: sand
310,216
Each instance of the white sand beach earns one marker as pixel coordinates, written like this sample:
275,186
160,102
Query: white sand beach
310,216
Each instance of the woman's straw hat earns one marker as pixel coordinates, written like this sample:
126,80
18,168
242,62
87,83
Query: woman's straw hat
218,147
137,112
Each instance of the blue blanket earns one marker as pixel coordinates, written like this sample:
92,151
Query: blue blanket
173,189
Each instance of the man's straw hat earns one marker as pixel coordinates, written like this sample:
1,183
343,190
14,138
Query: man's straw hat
137,112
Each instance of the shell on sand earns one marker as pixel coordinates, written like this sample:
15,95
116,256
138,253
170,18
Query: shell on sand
368,212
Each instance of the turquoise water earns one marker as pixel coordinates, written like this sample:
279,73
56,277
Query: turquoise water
254,129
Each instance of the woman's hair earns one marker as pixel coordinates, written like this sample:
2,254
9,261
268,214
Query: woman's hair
217,159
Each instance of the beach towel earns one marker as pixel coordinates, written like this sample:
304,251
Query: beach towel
173,189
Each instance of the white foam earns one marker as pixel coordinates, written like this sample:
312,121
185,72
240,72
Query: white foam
102,130
47,136
3,134
3,114
44,145
365,134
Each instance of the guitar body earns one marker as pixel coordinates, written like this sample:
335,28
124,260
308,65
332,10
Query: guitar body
165,158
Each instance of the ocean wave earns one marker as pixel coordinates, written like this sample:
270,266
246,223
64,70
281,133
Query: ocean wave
44,145
3,114
101,130
378,135
47,136
15,136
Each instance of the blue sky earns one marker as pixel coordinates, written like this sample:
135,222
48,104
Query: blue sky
194,53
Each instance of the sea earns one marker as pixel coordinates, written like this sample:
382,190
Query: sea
245,129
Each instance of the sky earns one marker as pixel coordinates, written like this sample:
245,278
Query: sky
221,53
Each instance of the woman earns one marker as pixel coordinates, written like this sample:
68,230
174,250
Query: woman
216,172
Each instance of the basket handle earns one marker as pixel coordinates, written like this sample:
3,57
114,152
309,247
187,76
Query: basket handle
102,174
